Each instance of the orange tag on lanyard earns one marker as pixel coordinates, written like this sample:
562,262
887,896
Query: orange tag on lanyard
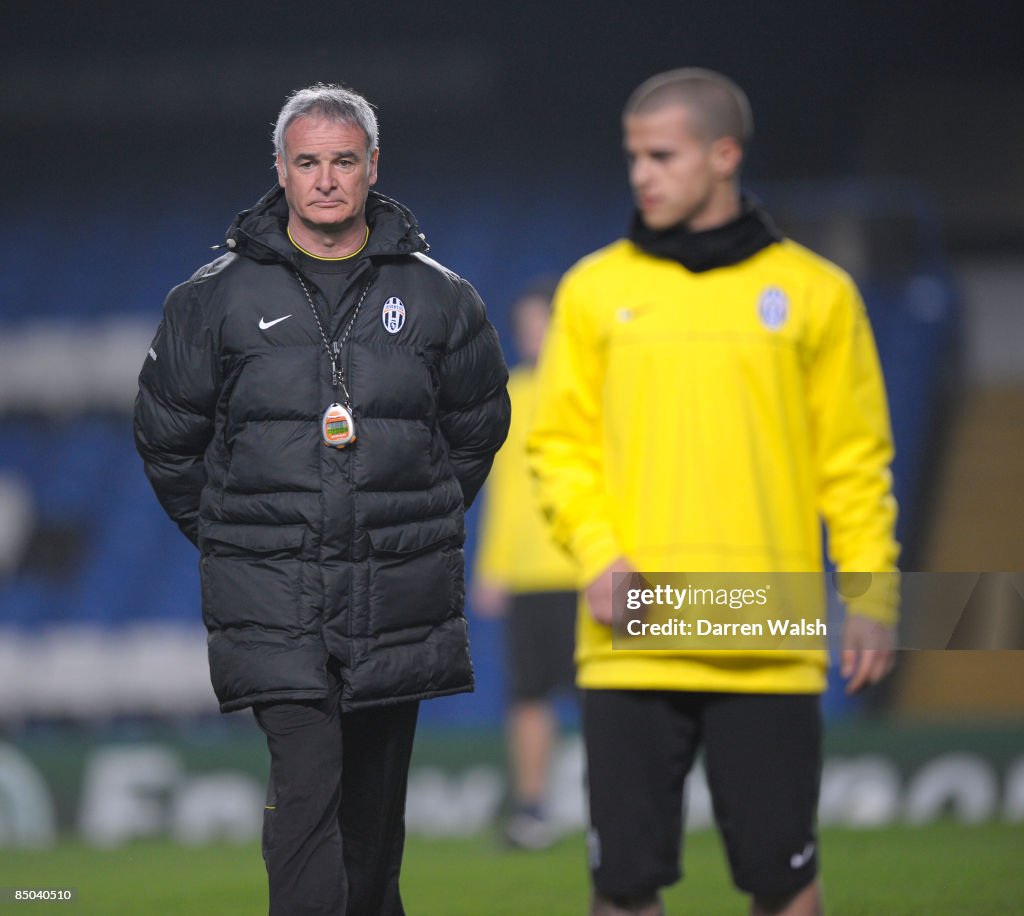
338,428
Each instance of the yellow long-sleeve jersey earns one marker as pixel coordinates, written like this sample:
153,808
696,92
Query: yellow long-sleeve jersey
516,550
709,422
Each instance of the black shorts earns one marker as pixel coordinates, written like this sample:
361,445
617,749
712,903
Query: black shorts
539,639
762,755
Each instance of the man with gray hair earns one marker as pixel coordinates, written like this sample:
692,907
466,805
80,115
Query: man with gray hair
711,395
318,409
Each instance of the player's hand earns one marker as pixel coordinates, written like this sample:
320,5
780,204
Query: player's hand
488,599
868,652
599,592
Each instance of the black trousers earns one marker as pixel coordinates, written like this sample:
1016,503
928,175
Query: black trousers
334,825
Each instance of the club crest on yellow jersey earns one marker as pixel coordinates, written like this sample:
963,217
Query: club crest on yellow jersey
773,308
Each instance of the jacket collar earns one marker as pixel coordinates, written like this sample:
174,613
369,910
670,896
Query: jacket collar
259,232
722,246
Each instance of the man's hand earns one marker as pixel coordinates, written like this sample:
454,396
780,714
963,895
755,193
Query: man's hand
867,654
488,599
599,592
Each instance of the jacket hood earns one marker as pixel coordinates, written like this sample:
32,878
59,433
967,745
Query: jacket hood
259,232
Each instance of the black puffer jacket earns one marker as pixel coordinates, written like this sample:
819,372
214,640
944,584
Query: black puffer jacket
309,551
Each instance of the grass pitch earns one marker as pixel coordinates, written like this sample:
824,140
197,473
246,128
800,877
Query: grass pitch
939,869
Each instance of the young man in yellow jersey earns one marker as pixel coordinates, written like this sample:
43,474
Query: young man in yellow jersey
711,394
523,576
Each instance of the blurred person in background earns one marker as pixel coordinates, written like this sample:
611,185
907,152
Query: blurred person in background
711,392
319,407
523,576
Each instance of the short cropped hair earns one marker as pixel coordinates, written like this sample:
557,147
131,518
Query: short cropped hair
720,107
330,101
541,287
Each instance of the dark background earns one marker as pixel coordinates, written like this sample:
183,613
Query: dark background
481,101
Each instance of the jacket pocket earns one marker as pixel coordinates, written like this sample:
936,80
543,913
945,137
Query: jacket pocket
415,579
220,539
409,540
252,576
